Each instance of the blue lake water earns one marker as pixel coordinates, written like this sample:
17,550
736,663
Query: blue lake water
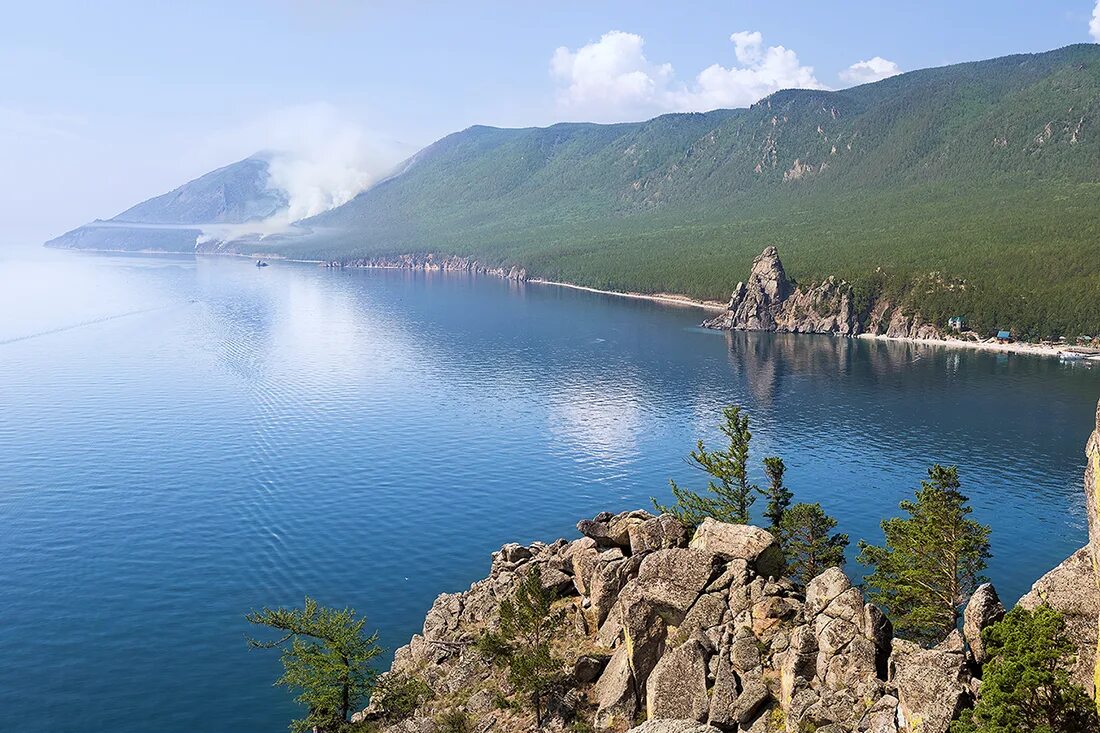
182,440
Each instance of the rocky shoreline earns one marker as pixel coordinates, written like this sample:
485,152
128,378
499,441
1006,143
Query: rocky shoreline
430,262
669,635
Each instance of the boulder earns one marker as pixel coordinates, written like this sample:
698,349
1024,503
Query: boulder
932,686
983,610
740,541
659,533
673,579
723,694
673,726
1071,590
615,694
677,686
824,589
754,693
587,668
620,526
881,717
597,528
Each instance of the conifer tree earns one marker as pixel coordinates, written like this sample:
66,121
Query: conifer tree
1026,687
778,495
326,656
729,493
931,561
809,545
528,621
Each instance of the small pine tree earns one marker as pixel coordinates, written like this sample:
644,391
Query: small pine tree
328,658
932,560
732,495
778,495
809,545
528,621
1025,684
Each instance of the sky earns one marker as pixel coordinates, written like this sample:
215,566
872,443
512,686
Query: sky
105,104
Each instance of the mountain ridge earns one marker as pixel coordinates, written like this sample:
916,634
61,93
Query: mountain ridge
970,189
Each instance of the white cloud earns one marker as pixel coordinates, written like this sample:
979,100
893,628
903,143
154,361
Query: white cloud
762,71
611,79
1094,24
865,72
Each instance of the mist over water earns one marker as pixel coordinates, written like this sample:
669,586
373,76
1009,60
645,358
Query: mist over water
183,439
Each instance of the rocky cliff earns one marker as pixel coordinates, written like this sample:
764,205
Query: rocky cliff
1073,588
430,262
664,635
669,634
769,301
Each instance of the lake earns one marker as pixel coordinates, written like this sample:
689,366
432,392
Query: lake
184,439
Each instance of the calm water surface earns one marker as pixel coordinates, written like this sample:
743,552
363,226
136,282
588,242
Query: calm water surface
184,439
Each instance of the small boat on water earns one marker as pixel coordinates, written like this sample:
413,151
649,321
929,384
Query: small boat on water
261,263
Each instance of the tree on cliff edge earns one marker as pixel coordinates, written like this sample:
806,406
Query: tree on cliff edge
810,547
528,621
1026,687
932,560
730,493
778,495
325,655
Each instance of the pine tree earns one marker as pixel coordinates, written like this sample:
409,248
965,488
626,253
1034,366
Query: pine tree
328,658
779,496
809,545
932,560
528,621
1025,684
731,494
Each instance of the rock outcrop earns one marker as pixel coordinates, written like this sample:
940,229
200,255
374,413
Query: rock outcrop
430,262
674,636
1073,588
769,301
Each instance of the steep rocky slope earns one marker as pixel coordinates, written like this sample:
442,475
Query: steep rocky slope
667,635
663,630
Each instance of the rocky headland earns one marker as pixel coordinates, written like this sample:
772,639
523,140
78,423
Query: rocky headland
669,634
769,301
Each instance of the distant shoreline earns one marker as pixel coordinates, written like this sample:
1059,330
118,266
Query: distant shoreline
674,299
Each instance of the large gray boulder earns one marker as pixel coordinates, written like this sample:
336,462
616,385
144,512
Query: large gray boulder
677,686
615,693
932,685
982,611
673,579
740,541
659,533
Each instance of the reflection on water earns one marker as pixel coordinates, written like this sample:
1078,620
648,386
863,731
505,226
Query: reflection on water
184,439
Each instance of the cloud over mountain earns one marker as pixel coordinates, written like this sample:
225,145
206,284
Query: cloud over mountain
611,79
873,69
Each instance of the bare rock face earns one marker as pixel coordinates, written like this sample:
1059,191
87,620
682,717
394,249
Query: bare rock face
932,685
740,541
686,634
677,687
983,610
1071,590
769,302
